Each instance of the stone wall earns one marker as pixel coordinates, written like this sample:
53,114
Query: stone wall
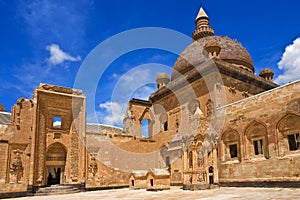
269,117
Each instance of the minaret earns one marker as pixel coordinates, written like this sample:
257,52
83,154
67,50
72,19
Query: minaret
202,26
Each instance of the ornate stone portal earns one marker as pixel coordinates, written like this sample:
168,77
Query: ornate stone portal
60,136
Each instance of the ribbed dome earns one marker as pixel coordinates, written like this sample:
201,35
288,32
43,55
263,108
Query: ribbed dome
231,52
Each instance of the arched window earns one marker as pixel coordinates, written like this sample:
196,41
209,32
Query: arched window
289,127
231,145
257,140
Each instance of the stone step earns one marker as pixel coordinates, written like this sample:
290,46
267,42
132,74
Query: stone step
56,189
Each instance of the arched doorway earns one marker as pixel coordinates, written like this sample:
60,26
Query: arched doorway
55,163
211,175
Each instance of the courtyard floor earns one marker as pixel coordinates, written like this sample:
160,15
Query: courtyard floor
176,193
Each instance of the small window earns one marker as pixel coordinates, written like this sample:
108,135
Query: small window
166,126
294,142
145,128
168,161
258,147
57,122
233,151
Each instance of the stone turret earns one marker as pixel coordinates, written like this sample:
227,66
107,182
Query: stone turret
162,79
267,74
202,26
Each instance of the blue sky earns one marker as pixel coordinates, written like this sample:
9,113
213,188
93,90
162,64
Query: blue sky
48,40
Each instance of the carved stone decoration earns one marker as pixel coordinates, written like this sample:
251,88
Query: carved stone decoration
74,155
200,161
245,94
209,107
232,90
93,167
202,177
41,149
16,168
128,120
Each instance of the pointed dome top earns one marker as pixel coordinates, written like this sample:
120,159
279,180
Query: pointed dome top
202,26
201,14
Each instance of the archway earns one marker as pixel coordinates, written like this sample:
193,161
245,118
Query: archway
55,163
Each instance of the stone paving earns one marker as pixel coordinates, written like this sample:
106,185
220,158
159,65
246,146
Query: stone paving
176,193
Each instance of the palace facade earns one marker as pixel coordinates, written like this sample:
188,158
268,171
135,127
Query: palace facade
212,122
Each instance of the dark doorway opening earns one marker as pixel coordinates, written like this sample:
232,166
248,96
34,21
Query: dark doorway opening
54,175
211,175
151,182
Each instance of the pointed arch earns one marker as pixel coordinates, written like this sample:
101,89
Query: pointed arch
289,123
255,129
57,148
230,134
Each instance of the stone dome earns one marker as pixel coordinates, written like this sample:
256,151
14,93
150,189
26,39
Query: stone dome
231,51
266,71
162,77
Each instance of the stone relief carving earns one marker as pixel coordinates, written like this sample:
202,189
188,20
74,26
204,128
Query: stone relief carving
74,155
128,120
41,148
232,90
16,168
201,177
200,161
93,167
245,94
209,108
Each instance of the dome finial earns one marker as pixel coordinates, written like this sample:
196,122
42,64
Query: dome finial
201,14
202,25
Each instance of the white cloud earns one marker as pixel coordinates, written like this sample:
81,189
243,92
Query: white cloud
57,124
111,113
58,56
290,63
139,82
